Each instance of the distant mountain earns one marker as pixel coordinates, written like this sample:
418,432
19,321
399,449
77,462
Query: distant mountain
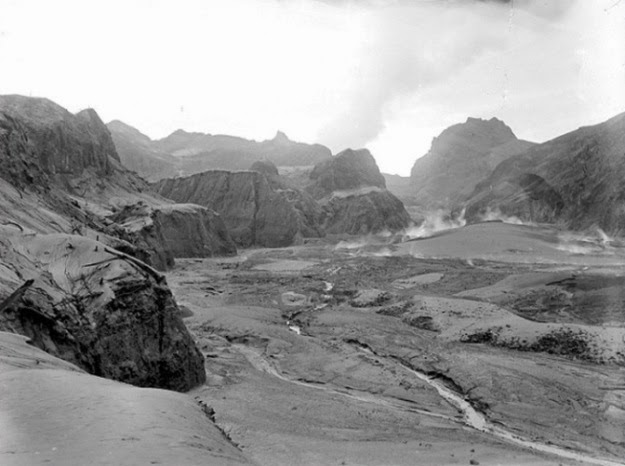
459,158
576,180
183,153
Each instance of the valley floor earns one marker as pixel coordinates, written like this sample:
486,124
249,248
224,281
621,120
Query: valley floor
492,344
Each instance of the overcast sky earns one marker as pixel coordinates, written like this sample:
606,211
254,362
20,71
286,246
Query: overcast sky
387,75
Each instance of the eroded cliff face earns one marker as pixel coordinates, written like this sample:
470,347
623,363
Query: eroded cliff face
575,180
96,307
373,211
254,211
176,230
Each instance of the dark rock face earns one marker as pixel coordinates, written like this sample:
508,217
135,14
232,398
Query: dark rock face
370,212
351,190
184,153
575,180
459,158
351,169
254,211
98,308
174,230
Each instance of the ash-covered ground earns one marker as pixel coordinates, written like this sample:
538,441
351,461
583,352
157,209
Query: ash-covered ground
487,344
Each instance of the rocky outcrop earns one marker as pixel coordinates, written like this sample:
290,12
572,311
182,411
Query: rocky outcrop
351,169
459,158
351,191
255,210
575,180
96,307
61,143
183,153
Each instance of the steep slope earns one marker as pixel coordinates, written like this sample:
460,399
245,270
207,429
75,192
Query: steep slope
459,158
137,153
184,153
576,180
256,208
61,173
353,194
54,413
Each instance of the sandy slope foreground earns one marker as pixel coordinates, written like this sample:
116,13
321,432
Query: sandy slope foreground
365,354
51,412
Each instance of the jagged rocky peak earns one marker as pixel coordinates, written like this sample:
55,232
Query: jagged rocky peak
281,138
351,169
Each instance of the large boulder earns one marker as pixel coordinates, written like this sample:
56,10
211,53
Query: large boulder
459,158
255,210
575,180
96,307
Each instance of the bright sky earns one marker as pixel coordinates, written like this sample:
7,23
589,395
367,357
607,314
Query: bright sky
387,75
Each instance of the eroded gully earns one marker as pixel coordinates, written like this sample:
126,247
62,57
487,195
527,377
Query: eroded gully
470,417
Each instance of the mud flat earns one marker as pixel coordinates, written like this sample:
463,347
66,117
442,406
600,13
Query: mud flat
407,357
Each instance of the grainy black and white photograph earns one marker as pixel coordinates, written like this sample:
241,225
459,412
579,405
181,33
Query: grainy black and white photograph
312,232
